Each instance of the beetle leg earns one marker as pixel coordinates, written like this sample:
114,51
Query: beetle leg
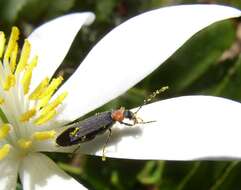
106,142
128,124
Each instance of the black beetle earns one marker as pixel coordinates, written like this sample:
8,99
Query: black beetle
87,129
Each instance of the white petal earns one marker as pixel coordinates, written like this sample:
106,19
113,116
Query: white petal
186,128
132,51
51,42
9,173
51,146
38,172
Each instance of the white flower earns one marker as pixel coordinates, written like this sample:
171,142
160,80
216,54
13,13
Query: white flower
31,117
28,113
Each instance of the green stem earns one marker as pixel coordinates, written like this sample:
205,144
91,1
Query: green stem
225,174
189,176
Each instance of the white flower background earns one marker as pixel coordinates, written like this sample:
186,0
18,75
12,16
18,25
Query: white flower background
186,127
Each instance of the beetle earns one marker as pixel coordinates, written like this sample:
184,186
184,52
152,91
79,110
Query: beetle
89,128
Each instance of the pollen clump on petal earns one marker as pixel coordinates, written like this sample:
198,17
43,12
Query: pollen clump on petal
4,150
4,130
44,135
28,115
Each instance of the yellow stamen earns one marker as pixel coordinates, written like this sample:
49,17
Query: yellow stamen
44,118
45,96
24,56
54,103
4,151
52,87
26,81
13,58
11,43
43,102
2,43
10,82
24,144
27,115
28,75
44,135
1,101
4,130
33,63
39,90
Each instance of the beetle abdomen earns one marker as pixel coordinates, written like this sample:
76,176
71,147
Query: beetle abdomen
85,130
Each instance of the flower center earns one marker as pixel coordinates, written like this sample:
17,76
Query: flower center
25,115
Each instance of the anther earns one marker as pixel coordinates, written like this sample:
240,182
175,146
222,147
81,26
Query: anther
39,89
11,42
52,105
44,135
24,56
28,75
44,118
28,115
4,150
10,82
1,101
24,144
2,43
4,130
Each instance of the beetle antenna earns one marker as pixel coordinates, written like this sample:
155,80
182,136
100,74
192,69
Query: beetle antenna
151,97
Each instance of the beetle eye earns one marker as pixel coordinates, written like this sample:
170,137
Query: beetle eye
128,114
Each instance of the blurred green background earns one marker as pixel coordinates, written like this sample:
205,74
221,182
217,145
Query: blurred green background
209,63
